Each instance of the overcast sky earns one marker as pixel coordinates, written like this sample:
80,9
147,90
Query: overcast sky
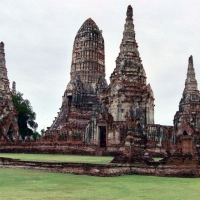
39,36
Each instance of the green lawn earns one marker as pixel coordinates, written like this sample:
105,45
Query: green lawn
27,184
59,158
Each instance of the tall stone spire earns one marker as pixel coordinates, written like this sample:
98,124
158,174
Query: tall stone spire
187,118
190,91
127,105
8,115
128,45
129,55
4,82
128,91
190,82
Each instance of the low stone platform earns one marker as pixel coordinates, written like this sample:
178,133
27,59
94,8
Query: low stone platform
106,170
59,148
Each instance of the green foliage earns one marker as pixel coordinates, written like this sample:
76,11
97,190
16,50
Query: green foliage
36,135
26,116
42,131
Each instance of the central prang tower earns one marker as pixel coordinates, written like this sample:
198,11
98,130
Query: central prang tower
81,97
88,63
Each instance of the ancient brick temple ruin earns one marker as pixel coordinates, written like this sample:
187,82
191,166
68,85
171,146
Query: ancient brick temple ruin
81,99
119,117
115,119
8,115
107,116
128,102
93,113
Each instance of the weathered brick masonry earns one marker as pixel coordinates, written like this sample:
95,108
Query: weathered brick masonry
161,168
115,119
8,114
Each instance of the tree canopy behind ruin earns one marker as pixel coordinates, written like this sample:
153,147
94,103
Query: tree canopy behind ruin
26,115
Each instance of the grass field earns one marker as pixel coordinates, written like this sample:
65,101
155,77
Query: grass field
157,159
17,184
59,158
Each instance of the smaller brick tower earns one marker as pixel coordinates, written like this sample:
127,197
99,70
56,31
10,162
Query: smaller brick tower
187,119
8,115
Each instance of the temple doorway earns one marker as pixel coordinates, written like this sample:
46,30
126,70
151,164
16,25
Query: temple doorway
102,131
10,131
69,100
185,132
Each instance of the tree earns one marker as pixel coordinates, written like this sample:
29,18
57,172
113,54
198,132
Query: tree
42,131
36,135
26,116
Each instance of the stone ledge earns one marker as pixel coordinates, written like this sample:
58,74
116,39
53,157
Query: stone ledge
104,170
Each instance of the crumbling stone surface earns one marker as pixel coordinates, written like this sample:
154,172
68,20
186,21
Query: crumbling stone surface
181,159
186,132
81,97
96,114
150,168
56,148
187,119
158,139
115,119
8,114
127,104
128,94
